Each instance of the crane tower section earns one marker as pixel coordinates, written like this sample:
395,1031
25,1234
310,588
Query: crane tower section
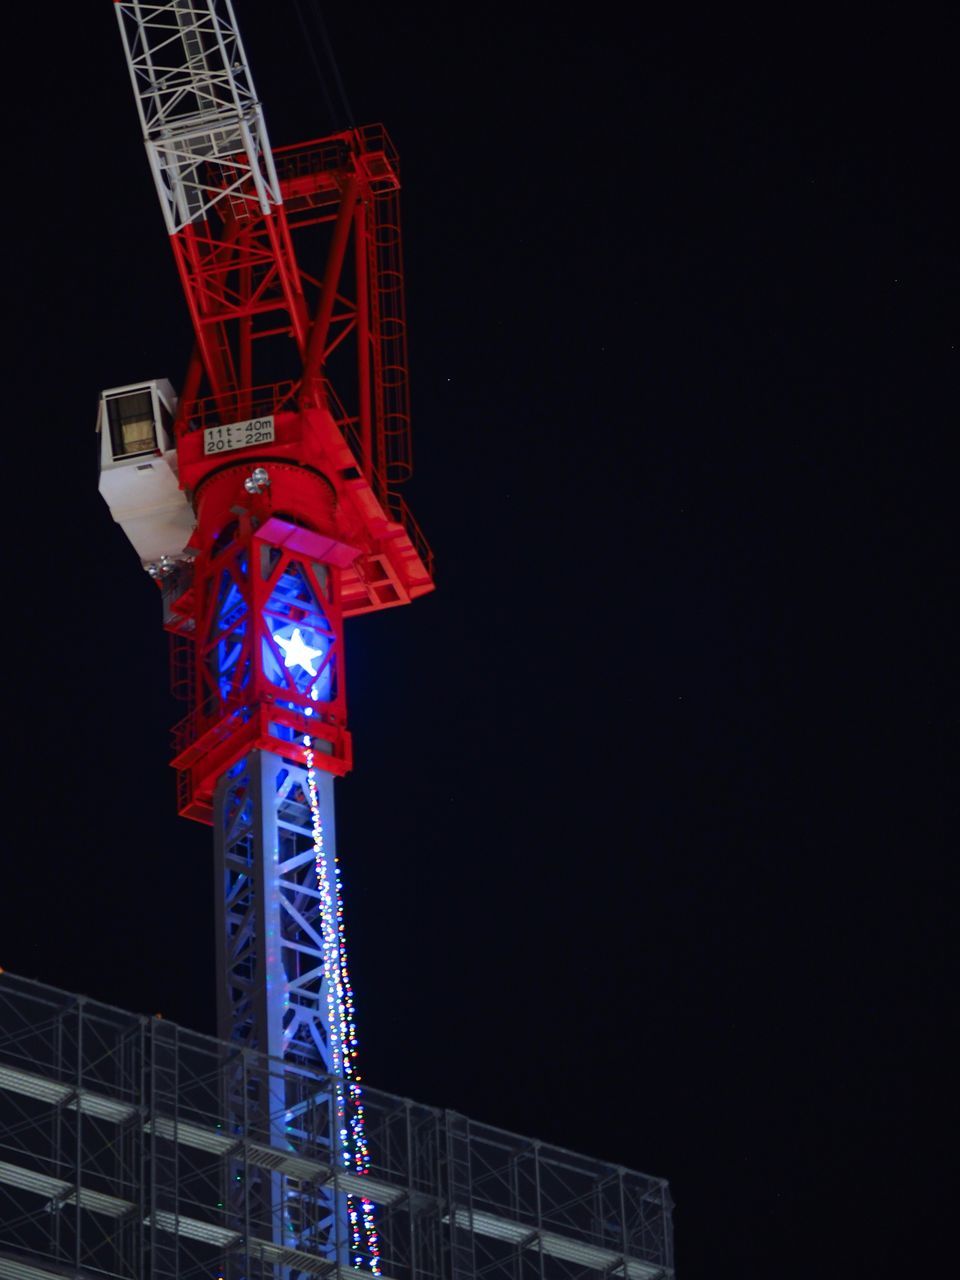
263,499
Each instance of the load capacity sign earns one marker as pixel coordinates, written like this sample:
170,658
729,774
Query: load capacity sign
238,435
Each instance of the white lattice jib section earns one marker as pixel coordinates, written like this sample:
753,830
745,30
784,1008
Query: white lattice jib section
202,124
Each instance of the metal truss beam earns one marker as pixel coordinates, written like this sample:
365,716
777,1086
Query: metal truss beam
198,108
275,985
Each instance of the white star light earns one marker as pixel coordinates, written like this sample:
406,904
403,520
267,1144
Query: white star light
297,653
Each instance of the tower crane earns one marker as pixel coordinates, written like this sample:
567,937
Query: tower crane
262,498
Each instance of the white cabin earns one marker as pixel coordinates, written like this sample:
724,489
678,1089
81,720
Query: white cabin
138,469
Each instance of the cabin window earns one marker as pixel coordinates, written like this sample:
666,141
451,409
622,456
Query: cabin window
133,429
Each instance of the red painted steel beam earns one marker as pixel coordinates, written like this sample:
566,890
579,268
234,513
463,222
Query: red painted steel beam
361,268
317,343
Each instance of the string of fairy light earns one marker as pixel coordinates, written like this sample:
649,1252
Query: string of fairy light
341,1020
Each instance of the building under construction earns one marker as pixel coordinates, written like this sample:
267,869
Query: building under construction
122,1155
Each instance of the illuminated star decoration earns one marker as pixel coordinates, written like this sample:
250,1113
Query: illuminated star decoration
297,653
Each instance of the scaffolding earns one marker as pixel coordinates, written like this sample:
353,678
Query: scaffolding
123,1154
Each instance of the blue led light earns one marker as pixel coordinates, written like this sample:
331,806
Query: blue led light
232,628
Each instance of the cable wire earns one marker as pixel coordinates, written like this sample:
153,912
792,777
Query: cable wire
344,115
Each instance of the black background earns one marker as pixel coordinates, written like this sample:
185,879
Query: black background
645,849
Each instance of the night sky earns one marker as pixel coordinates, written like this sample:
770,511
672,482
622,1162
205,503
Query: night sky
645,849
